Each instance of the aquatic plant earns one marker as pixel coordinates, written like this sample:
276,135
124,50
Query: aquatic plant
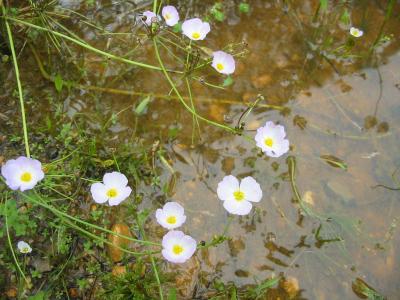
170,14
113,189
223,62
237,196
178,247
195,29
24,247
22,173
271,138
171,216
356,32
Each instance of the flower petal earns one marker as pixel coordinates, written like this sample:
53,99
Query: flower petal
123,193
227,187
115,180
251,189
238,208
99,192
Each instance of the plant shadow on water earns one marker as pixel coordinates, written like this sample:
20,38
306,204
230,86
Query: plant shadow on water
326,226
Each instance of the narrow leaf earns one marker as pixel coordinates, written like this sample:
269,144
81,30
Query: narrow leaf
334,161
58,82
139,110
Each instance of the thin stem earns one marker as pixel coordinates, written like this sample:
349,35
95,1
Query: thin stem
155,6
20,94
56,211
180,96
153,263
195,119
10,243
87,46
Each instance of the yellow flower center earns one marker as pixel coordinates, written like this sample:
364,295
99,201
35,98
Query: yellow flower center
167,16
171,220
177,249
111,193
220,67
25,250
239,195
269,142
195,35
26,177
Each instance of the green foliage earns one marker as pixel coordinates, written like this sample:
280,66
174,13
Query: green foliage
58,83
217,12
172,294
39,296
17,220
244,7
228,81
324,4
136,284
142,106
262,288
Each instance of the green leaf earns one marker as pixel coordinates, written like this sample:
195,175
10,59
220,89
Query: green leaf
345,17
39,296
18,221
217,12
334,161
324,4
58,82
219,16
228,81
244,7
172,294
139,110
177,27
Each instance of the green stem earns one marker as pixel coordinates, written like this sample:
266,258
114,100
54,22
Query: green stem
87,46
155,6
153,263
95,237
21,97
195,119
230,129
58,212
10,243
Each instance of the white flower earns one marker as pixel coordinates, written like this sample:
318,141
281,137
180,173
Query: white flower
356,32
150,17
195,29
238,197
24,247
271,139
170,15
113,189
178,247
223,62
171,216
22,173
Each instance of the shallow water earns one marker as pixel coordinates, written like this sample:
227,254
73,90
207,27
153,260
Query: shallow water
283,62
